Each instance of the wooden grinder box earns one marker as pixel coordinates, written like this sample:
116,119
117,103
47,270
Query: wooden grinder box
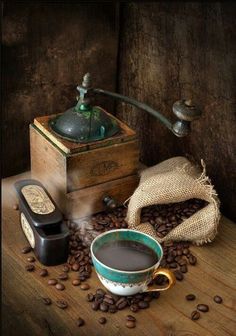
79,176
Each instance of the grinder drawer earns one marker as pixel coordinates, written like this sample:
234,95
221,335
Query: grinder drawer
82,203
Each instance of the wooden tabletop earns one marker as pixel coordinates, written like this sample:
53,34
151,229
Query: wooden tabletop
25,314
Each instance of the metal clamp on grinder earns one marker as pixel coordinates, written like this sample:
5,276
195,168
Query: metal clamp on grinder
42,223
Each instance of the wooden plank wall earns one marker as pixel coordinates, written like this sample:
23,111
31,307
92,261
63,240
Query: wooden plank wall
175,50
167,51
47,48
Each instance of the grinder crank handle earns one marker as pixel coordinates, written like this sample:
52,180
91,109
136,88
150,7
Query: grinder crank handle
185,110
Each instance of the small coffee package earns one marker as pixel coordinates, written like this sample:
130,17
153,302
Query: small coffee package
172,181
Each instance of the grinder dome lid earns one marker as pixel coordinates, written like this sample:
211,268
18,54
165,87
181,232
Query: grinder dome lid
84,124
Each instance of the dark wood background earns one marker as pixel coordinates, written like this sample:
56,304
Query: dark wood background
47,48
155,52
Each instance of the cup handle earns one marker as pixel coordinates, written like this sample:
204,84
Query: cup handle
170,276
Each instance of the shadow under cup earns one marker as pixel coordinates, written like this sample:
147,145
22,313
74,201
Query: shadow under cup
127,282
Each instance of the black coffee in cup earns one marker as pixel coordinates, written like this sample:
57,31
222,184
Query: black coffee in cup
126,255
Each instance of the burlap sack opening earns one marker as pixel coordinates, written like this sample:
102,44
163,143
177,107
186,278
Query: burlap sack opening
171,181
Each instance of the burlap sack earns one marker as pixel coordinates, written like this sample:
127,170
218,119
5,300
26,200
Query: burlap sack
171,181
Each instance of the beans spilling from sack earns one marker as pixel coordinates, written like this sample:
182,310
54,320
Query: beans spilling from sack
166,217
163,217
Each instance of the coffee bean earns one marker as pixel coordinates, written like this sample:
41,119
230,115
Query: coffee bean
108,301
47,301
121,303
170,259
192,260
82,278
75,267
203,307
130,324
195,315
218,299
63,276
62,304
102,320
109,296
134,308
66,268
31,259
90,297
98,299
43,272
173,265
178,258
143,304
112,309
85,286
95,305
103,307
184,269
80,322
178,275
26,249
115,297
185,251
100,291
161,228
52,282
60,286
190,297
174,253
76,282
130,318
121,300
155,295
29,268
147,298
182,262
15,207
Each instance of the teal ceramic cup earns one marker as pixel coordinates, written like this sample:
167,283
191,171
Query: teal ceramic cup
129,282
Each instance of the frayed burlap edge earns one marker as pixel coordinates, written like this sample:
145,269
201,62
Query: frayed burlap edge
209,214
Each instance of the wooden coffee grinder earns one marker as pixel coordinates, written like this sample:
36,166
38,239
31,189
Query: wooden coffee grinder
86,158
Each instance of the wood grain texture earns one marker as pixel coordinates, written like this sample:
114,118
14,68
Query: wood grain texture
79,182
47,48
102,165
52,174
84,202
25,314
171,51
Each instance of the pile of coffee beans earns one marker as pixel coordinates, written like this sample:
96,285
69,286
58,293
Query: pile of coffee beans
177,257
166,217
163,217
79,259
104,221
107,302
